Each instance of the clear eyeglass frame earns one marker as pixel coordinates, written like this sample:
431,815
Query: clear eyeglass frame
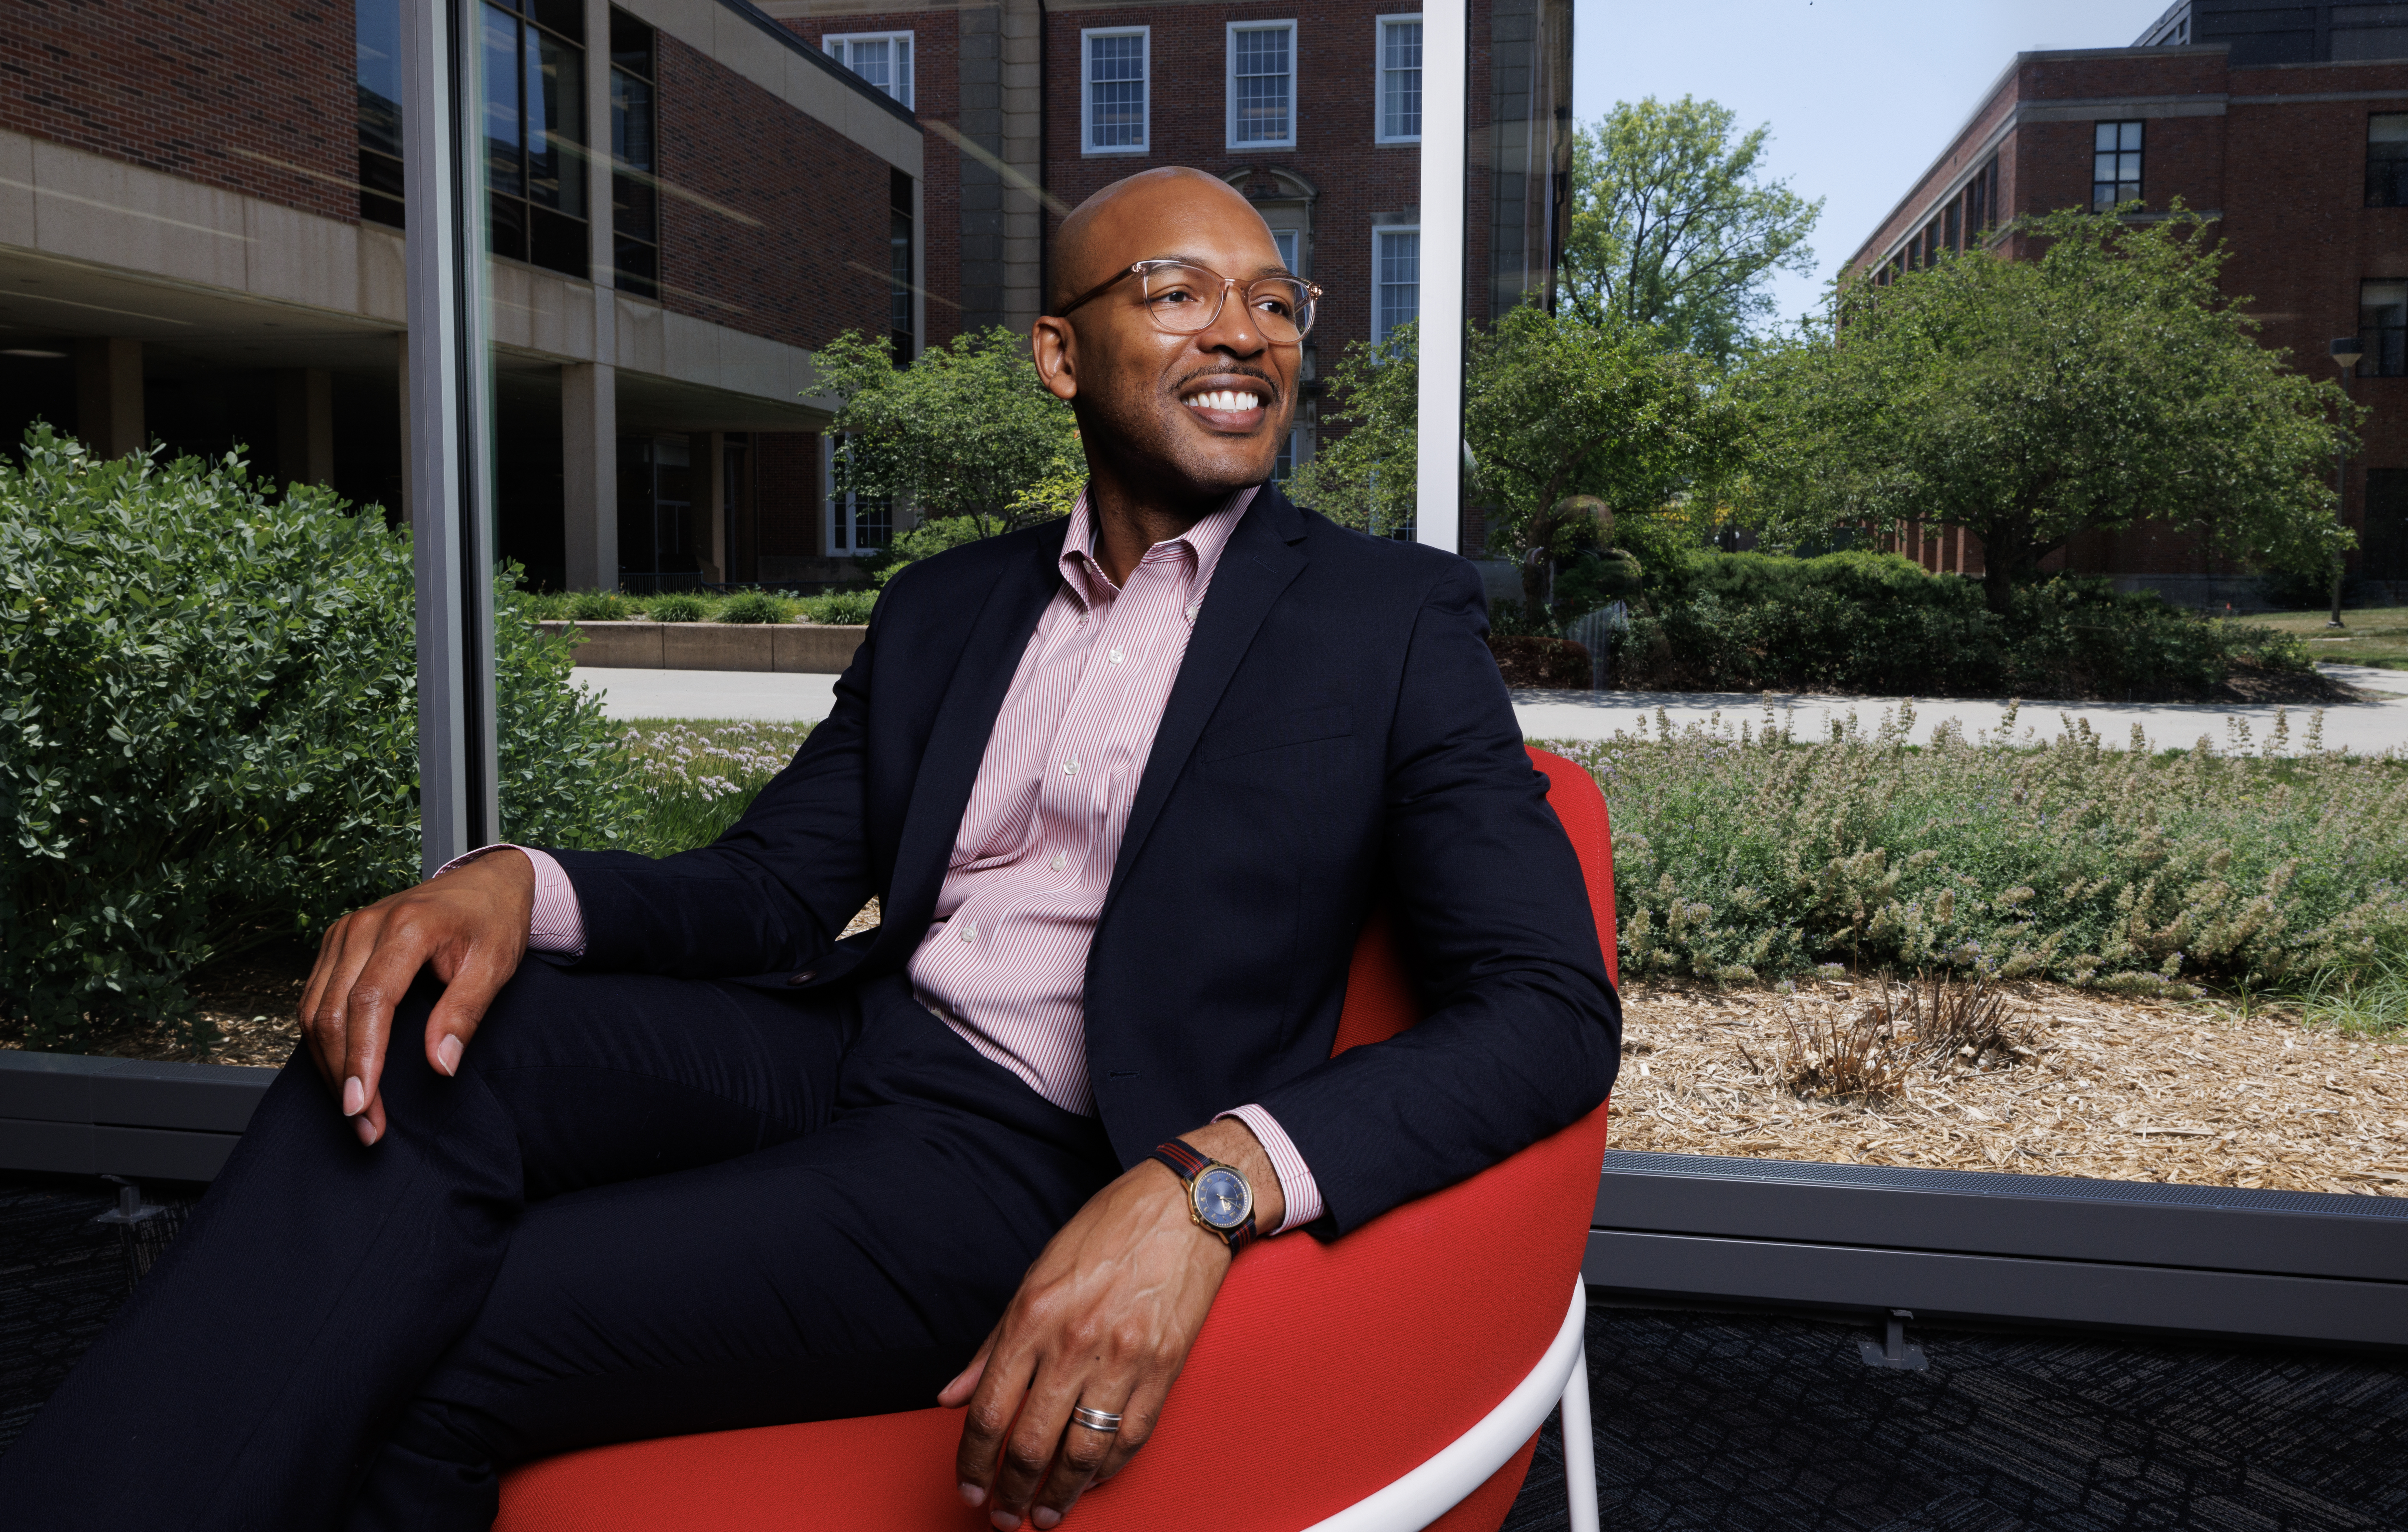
1283,306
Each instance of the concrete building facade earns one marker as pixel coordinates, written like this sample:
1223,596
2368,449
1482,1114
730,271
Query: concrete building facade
198,249
2288,126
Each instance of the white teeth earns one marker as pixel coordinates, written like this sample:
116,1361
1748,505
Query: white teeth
1223,399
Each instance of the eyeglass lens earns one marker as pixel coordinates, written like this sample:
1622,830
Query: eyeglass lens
1184,299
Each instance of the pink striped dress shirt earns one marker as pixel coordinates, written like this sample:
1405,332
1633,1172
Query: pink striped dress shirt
1004,962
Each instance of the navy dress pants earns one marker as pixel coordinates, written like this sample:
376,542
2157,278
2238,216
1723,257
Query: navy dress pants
644,1207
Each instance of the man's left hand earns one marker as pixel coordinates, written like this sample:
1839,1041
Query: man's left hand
1103,1319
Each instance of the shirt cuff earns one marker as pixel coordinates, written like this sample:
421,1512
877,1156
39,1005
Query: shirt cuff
557,924
1295,1177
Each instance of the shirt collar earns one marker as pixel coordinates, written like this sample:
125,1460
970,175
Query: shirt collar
1200,547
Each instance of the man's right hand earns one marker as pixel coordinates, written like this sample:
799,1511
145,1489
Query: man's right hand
470,925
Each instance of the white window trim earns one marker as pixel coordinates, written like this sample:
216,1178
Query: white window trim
911,74
1378,336
1229,85
1087,93
839,548
1379,77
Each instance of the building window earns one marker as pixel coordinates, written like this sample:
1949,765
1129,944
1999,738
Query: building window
1396,280
856,524
660,538
2382,329
1952,237
2383,534
535,132
1400,106
635,159
882,58
1977,201
900,286
1113,90
2387,157
2114,164
1262,85
377,46
1286,240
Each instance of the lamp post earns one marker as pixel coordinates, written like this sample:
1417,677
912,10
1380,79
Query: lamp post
2345,352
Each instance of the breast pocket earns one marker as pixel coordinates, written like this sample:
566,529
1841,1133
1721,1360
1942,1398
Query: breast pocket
1271,731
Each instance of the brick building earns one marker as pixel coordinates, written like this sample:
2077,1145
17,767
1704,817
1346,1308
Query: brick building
198,247
2288,125
1313,113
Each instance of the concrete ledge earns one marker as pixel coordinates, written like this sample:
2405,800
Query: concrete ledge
74,1115
794,647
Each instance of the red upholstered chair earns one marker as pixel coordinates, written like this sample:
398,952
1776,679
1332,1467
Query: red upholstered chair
1424,1350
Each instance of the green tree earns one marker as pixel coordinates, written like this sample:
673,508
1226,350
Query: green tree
2104,382
964,431
1554,410
1673,224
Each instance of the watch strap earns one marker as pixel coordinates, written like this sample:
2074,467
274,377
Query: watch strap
1187,1163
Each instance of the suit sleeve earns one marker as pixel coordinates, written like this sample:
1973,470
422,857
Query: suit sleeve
1522,1030
774,892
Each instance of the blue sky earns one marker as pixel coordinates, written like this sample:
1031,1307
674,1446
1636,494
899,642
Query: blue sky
1860,95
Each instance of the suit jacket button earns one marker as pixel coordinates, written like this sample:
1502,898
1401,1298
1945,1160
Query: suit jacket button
803,978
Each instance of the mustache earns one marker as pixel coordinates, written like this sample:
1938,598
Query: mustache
1270,384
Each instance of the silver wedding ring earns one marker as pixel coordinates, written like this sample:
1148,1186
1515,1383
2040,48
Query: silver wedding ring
1096,1420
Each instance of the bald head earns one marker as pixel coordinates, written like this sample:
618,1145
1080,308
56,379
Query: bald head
1139,216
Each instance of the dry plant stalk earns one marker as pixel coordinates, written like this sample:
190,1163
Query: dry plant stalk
1960,1024
1856,1058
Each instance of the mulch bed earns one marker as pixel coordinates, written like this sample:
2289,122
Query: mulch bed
2115,1088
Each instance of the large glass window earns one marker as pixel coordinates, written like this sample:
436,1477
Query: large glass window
1262,85
660,536
2387,159
1396,280
535,132
635,159
882,58
2114,164
1400,106
1113,91
376,26
901,289
2382,329
1288,242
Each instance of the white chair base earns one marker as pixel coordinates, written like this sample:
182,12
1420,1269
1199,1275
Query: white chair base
1467,1462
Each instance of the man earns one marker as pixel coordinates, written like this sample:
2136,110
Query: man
1126,790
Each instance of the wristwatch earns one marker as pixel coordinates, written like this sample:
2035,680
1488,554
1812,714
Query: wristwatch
1219,1198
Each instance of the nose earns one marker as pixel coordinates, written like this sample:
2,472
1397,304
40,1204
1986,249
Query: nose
1233,331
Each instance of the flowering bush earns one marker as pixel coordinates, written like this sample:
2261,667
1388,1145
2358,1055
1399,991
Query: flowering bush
1743,854
208,729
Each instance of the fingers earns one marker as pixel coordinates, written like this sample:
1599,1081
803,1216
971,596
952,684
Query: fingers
1138,1417
465,995
957,1392
1036,1439
1085,1453
1002,1385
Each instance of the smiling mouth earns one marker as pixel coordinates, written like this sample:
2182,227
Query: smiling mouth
1234,405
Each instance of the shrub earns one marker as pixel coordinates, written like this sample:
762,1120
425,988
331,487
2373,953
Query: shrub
208,729
1743,855
839,606
1541,662
753,607
597,606
674,608
1879,624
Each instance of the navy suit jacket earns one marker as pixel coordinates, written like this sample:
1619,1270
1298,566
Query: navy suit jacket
1338,737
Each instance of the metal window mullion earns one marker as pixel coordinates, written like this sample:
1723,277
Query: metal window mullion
450,443
1438,473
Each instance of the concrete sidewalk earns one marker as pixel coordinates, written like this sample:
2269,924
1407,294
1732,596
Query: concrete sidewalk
2363,728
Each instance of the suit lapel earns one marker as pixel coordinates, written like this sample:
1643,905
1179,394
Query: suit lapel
1262,558
965,716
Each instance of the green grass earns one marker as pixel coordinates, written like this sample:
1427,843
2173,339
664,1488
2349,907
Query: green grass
698,776
2372,999
2376,635
847,606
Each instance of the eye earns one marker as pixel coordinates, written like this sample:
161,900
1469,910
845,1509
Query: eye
1275,303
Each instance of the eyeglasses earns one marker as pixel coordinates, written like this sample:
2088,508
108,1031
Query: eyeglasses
1184,298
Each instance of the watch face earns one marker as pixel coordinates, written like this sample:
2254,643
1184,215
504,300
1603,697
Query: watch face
1222,1198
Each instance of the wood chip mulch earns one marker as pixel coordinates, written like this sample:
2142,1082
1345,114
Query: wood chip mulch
2119,1089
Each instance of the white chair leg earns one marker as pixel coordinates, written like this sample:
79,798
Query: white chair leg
1580,1448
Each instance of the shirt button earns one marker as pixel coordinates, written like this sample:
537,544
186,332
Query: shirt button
1117,656
1070,766
1061,860
969,931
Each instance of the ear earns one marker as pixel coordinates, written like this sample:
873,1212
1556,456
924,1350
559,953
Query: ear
1056,346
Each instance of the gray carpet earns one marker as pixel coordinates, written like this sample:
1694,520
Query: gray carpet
1704,1423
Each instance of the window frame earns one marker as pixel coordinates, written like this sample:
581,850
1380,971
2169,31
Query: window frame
1380,323
1380,24
2377,193
910,69
1229,85
2140,182
529,31
852,500
1087,146
2380,357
